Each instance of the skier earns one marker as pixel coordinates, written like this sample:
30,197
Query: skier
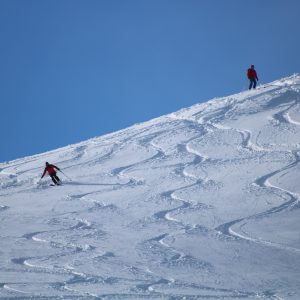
52,173
252,76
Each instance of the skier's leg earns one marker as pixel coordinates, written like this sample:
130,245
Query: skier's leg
250,86
254,83
57,179
53,179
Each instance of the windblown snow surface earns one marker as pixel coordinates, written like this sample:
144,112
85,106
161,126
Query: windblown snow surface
198,204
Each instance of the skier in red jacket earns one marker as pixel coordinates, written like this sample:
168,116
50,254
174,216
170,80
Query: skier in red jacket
252,76
52,173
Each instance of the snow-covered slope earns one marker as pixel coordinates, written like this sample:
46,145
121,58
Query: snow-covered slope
199,204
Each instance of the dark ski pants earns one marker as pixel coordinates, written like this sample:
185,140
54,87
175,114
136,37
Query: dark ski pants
55,178
252,83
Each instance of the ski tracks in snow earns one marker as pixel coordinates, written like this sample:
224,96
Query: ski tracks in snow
264,183
159,251
210,123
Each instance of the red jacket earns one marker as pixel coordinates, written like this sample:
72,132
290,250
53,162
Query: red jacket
50,169
252,74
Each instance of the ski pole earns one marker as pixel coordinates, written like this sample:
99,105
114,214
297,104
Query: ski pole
66,175
39,181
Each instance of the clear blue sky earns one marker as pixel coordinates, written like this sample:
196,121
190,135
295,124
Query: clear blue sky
75,69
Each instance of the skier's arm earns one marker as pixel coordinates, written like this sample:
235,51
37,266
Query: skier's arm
44,173
57,168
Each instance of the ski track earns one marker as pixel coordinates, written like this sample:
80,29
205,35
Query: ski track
165,215
25,261
227,228
263,182
147,290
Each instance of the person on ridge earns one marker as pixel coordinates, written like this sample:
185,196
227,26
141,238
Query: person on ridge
252,76
52,173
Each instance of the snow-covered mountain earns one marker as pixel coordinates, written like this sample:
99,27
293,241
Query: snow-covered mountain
198,204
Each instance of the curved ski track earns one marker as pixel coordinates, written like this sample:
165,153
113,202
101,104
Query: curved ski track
227,228
160,251
262,182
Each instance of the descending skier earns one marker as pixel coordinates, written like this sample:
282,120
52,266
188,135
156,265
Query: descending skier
52,173
252,76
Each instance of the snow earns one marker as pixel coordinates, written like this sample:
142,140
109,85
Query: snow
198,204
